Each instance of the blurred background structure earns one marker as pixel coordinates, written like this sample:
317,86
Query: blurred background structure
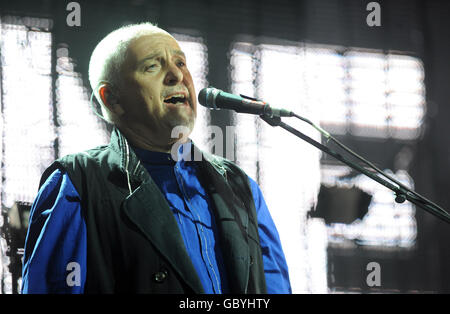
381,90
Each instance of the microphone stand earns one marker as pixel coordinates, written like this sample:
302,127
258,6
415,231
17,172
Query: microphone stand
402,192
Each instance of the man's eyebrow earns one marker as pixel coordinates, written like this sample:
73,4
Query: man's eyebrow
156,54
149,57
179,52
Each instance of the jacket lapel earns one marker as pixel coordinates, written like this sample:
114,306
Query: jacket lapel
148,210
232,221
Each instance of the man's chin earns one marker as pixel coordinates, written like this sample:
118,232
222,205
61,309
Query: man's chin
185,118
183,125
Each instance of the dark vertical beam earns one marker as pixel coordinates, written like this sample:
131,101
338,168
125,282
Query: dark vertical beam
55,34
432,161
54,98
218,42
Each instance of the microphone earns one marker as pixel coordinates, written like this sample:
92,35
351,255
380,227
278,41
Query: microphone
214,98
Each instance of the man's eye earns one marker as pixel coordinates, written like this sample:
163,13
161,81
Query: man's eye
150,67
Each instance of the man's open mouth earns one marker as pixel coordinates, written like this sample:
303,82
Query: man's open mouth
177,99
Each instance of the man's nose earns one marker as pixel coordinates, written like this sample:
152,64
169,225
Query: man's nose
174,75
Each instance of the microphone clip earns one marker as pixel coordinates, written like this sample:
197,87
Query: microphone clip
268,112
249,98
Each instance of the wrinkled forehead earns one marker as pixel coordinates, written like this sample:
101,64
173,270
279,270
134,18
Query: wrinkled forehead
152,44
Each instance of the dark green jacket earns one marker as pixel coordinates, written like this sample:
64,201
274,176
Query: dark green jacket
133,241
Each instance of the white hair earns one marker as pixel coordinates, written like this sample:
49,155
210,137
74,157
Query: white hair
109,55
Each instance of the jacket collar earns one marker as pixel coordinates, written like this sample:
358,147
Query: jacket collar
129,160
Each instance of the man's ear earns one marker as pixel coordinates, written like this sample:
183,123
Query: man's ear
109,99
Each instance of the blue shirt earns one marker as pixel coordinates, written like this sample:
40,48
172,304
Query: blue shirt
57,233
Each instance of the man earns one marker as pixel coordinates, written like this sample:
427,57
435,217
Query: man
131,217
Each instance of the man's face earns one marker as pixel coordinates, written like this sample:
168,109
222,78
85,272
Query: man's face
158,92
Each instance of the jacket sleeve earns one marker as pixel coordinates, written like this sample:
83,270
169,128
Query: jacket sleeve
55,247
275,267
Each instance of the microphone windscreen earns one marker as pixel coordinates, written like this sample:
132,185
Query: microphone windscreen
202,97
207,97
